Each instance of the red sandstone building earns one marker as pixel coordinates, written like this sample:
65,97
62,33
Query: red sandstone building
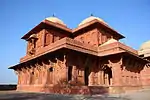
88,59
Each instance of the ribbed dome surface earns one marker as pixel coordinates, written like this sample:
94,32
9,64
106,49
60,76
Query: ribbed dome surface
55,20
90,19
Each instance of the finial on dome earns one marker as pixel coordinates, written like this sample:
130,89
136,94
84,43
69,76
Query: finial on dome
54,19
92,14
53,15
92,18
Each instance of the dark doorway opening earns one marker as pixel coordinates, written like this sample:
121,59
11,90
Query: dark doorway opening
108,72
69,73
86,75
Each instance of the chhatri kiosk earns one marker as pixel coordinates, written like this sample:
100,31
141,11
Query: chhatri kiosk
86,60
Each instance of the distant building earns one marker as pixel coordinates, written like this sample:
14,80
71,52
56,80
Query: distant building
88,59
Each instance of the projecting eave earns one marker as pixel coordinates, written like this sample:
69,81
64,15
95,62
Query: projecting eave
118,48
115,47
66,43
14,66
97,23
47,24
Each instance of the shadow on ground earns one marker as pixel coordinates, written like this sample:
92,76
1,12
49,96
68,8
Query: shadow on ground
43,96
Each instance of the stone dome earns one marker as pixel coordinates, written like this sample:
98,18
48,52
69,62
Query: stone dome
33,36
145,45
109,42
56,20
145,49
90,19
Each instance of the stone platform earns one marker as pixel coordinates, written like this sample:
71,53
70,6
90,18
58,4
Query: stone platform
84,90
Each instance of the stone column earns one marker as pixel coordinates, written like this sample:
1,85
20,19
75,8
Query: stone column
99,78
31,75
91,79
54,74
107,79
48,73
74,74
102,77
116,73
28,76
44,73
18,74
23,78
36,75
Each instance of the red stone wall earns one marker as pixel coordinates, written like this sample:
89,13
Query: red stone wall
44,38
131,72
103,36
145,76
94,37
89,37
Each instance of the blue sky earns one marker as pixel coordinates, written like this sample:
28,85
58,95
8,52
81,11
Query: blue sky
129,17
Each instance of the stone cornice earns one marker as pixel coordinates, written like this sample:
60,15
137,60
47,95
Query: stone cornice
63,43
68,43
113,48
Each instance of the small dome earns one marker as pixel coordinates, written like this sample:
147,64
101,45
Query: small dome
109,42
56,20
145,45
144,49
90,19
33,36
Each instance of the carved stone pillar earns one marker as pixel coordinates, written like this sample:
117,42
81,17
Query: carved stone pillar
65,66
106,79
49,75
74,74
102,77
44,73
91,78
27,76
116,72
99,77
39,71
17,72
23,77
36,71
32,76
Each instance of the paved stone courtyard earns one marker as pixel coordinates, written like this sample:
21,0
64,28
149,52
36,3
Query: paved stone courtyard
12,95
